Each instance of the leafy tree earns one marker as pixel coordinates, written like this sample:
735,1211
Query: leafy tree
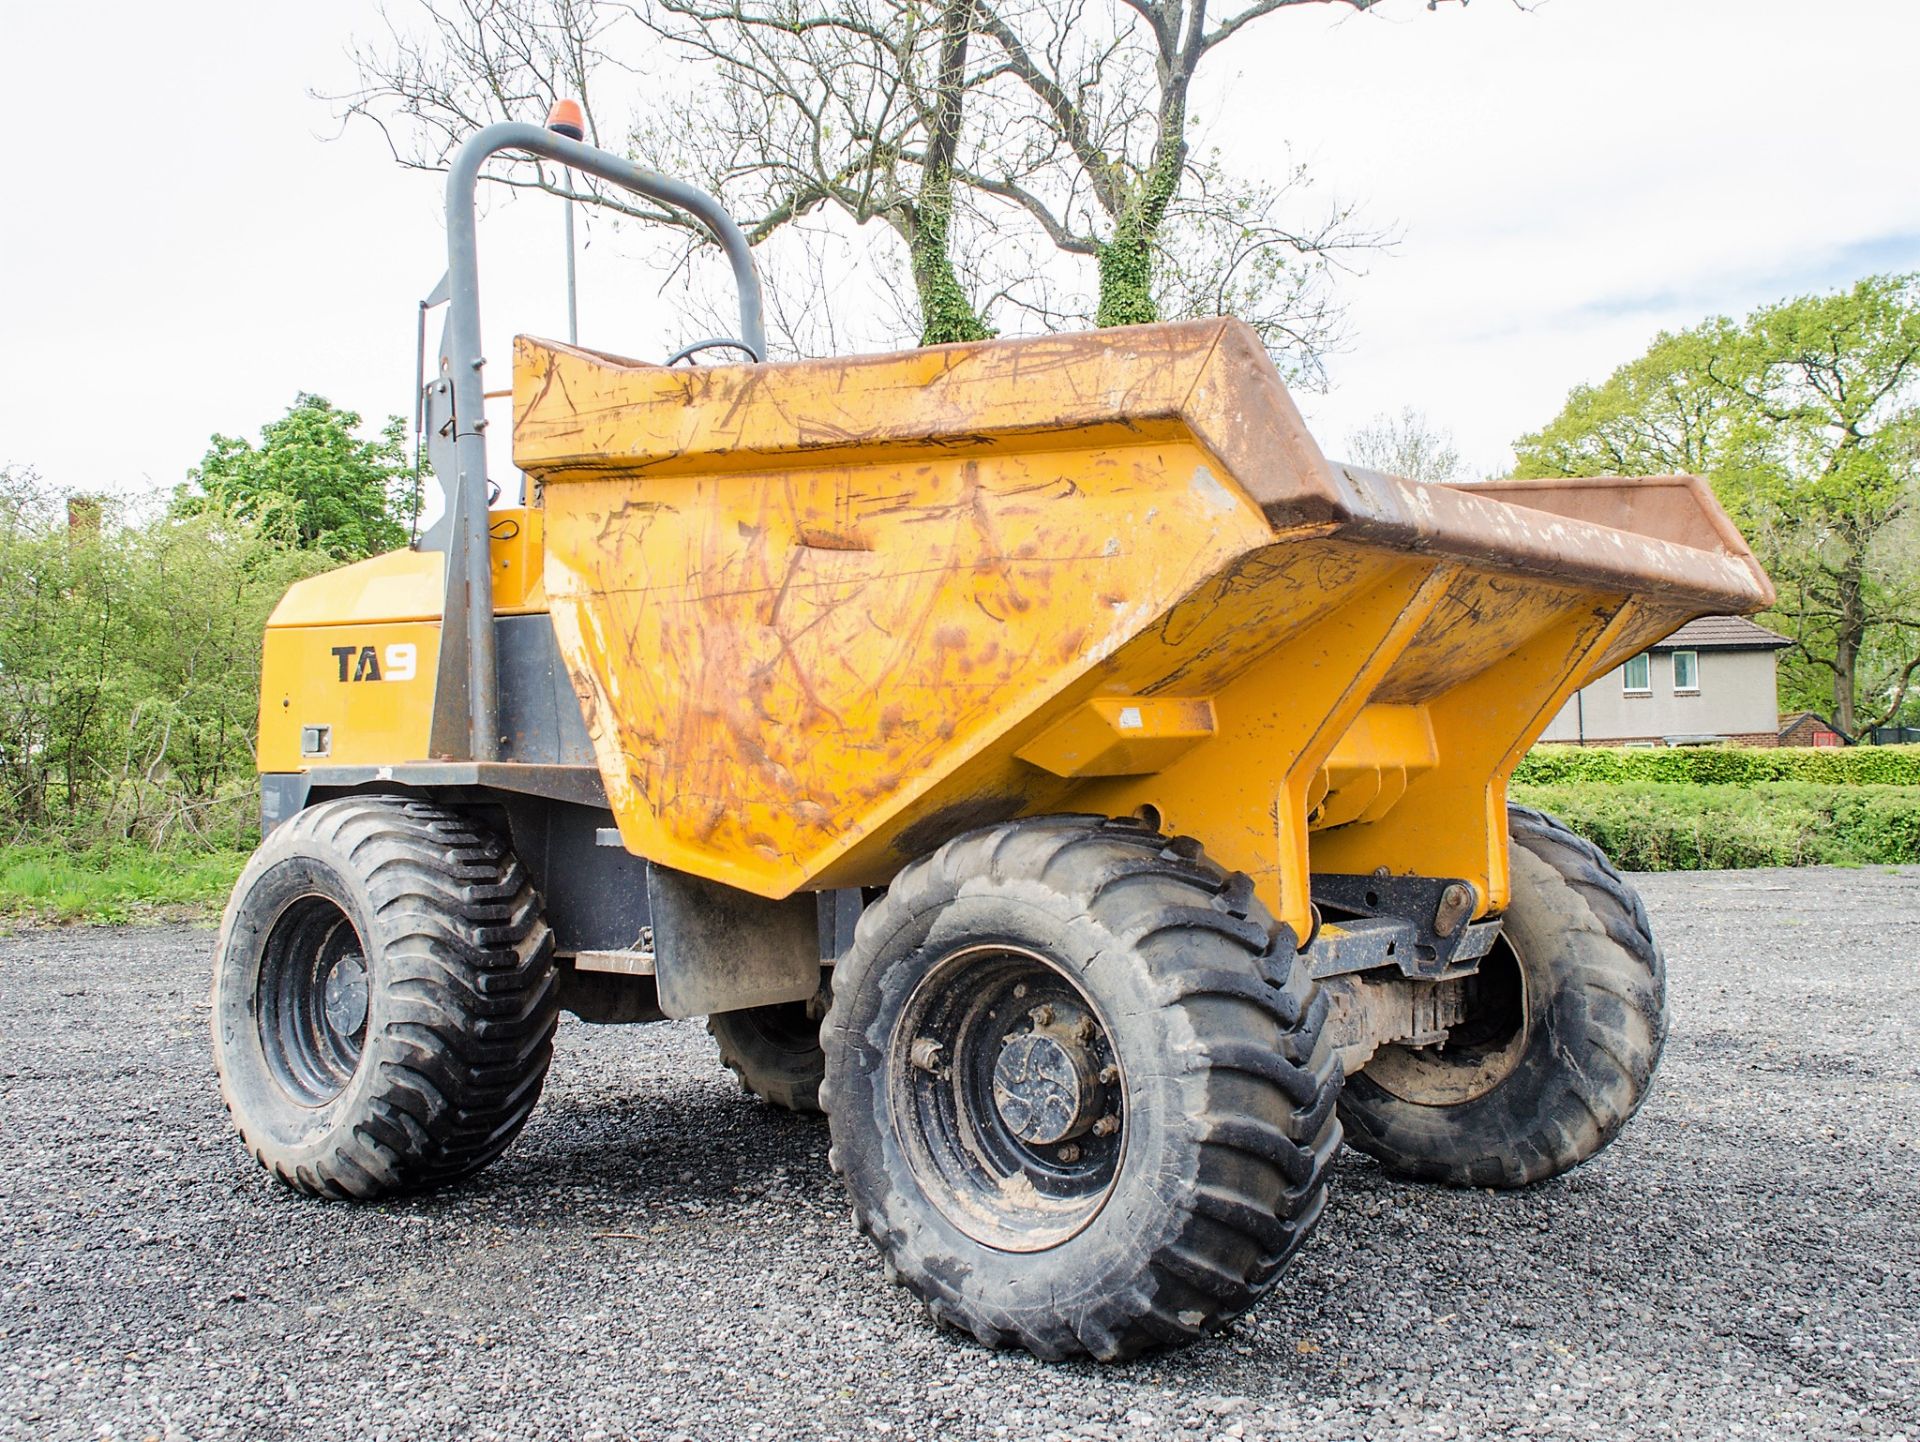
1665,412
316,479
1806,419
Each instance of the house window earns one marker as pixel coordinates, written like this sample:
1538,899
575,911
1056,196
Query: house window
1686,671
1638,676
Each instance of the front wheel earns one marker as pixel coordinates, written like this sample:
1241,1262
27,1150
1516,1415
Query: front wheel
383,998
1078,1087
1563,1028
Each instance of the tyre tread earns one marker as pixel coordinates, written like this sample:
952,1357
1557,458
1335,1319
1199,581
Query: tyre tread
1622,988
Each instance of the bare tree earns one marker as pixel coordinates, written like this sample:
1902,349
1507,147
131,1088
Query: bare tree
857,105
852,105
1111,96
1006,145
464,64
1407,445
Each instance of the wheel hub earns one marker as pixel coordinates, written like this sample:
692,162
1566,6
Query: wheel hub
344,996
1044,1087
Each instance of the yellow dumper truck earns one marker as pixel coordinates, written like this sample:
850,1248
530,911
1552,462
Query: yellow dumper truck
1034,754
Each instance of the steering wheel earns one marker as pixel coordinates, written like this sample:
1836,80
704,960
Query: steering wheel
687,352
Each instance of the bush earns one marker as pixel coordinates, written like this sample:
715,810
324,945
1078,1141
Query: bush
1673,826
1722,765
130,670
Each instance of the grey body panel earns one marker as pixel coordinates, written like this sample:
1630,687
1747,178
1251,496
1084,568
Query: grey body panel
540,718
720,949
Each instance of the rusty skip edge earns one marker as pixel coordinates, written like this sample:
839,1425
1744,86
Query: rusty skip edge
1665,538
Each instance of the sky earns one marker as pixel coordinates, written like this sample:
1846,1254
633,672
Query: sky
194,239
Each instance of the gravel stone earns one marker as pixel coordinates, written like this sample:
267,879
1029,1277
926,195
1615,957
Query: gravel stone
660,1256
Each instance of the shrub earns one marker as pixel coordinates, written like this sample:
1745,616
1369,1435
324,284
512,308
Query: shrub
1722,765
130,670
1677,826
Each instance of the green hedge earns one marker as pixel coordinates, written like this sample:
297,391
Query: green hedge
1663,826
1722,765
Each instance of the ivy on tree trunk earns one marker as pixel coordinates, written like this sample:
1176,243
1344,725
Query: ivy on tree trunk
946,312
1126,257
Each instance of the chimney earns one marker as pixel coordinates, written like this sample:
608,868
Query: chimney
83,520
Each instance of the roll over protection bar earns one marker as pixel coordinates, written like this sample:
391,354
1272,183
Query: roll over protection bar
466,692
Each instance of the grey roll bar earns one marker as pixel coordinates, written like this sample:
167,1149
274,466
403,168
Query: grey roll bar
466,700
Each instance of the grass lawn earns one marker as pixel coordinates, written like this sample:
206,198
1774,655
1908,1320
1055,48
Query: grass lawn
45,883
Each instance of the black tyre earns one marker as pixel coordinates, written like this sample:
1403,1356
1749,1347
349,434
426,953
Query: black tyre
1078,1089
1565,1025
775,1051
383,998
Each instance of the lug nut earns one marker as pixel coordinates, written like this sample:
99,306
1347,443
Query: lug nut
1068,1153
925,1053
1042,1015
1020,990
1106,1126
1109,1074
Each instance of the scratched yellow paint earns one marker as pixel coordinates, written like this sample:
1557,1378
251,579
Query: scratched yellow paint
823,617
777,664
370,683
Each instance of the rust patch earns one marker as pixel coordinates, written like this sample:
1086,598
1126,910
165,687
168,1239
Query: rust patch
819,538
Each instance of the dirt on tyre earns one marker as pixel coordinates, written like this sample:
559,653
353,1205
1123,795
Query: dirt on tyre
1565,1025
775,1051
384,999
1078,1087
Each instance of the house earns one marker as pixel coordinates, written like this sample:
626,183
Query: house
1712,680
1810,728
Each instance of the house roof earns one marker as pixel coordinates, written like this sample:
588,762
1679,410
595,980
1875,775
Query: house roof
1722,633
1812,720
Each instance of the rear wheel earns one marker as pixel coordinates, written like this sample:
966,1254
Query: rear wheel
1563,1030
1078,1090
383,998
775,1051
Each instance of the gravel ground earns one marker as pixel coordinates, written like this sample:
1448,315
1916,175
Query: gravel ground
660,1256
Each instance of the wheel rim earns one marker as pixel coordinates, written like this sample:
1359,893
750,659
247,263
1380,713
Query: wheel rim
1481,1052
313,1001
1009,1097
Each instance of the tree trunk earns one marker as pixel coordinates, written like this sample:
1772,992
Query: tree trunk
946,312
1851,637
1126,278
1126,257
